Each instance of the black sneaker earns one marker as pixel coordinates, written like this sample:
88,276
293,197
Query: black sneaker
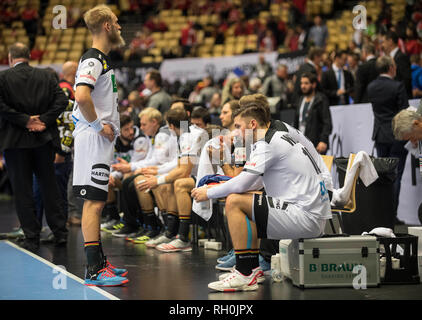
126,231
141,231
147,236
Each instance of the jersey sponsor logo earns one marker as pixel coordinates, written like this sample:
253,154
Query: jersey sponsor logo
100,174
252,164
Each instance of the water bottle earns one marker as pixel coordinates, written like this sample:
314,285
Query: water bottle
239,152
276,274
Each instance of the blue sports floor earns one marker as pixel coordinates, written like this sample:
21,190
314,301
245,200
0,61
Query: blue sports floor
25,276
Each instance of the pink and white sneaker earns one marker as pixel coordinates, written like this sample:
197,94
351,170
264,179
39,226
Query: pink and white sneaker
235,281
260,277
174,246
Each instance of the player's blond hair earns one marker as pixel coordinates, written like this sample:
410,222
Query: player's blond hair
95,18
151,114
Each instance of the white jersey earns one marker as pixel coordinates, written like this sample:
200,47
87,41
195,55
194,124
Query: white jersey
94,71
163,152
298,136
191,144
290,172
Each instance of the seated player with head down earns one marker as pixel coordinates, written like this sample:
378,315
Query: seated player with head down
295,203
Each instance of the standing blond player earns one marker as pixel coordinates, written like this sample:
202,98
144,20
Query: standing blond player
96,119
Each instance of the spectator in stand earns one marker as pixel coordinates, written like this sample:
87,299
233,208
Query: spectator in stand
302,37
255,85
416,76
188,39
214,108
37,53
233,90
390,47
159,99
337,83
276,85
29,17
353,64
268,42
318,34
207,91
366,73
312,64
263,68
292,40
194,95
413,44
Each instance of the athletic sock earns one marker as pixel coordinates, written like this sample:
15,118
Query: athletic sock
246,260
151,220
93,253
185,222
110,209
172,225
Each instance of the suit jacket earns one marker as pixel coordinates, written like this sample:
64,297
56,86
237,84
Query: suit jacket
27,91
330,87
366,73
404,72
318,124
388,97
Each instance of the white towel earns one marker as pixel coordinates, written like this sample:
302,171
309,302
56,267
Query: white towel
367,173
205,167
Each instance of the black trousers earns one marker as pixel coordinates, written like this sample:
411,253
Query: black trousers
130,204
394,150
21,165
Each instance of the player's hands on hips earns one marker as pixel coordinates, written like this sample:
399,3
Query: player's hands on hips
150,182
107,132
200,194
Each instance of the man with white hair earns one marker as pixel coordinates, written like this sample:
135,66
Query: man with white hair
407,125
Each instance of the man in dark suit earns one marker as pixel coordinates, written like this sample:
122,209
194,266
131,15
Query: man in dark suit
366,73
337,83
313,116
404,73
311,65
388,97
30,102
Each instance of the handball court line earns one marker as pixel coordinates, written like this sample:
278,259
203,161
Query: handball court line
24,278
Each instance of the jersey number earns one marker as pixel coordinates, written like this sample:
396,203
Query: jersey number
305,152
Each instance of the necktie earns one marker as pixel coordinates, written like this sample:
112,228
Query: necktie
339,79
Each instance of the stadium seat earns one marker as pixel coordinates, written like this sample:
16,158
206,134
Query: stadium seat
147,59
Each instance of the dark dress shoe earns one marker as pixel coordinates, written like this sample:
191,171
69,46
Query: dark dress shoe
60,241
31,245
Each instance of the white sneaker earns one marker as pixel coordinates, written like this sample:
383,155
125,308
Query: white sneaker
108,224
174,246
260,277
235,281
157,241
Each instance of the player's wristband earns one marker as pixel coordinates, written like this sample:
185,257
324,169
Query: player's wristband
96,125
161,180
